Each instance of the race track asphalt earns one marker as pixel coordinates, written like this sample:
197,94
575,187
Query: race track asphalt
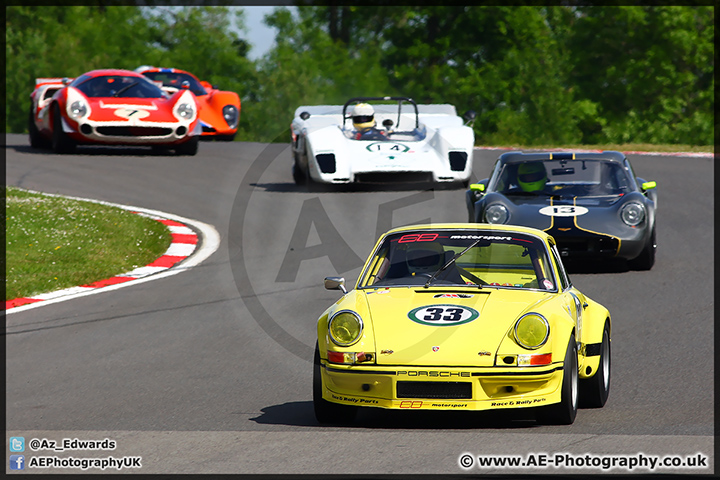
209,370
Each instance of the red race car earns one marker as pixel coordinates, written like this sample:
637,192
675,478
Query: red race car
219,110
112,107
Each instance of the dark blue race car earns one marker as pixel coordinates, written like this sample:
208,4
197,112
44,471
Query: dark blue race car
591,203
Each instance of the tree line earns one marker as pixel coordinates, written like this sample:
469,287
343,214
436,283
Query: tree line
534,75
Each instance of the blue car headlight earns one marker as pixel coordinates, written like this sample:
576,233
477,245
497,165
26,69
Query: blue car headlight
632,213
496,213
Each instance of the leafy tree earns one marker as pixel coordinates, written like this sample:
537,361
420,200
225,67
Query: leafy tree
534,74
648,69
308,67
65,41
542,75
502,62
201,40
68,41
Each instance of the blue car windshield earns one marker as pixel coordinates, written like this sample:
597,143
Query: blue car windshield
117,86
580,177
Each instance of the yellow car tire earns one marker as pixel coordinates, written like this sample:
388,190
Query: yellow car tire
328,412
594,391
564,413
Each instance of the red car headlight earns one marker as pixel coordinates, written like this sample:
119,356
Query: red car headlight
77,109
185,107
230,113
185,111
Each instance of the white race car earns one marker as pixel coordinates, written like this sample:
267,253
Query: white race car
342,144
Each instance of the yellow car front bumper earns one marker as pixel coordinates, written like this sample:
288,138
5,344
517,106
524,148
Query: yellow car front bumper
442,388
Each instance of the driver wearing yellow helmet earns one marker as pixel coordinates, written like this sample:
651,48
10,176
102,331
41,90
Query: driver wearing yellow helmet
363,117
532,176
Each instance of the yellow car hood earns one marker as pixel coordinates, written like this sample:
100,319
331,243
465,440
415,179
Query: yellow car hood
403,336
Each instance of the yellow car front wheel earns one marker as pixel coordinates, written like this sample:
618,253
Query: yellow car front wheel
594,391
564,413
328,412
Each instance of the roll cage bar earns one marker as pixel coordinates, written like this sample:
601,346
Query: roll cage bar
399,101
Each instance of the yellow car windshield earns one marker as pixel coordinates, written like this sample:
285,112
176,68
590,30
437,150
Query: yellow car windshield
498,259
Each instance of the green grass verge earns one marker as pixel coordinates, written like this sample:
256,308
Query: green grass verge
54,243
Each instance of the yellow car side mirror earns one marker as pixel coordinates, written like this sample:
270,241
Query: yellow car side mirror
649,185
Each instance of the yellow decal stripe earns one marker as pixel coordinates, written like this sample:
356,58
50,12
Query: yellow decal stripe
596,233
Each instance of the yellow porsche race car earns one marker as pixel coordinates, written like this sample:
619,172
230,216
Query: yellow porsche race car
462,317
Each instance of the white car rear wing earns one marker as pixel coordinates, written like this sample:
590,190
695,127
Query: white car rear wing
60,81
436,109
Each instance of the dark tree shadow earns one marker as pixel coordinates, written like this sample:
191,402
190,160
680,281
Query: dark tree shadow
301,414
106,150
594,266
354,187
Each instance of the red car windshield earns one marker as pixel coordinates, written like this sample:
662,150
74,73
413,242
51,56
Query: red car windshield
117,86
176,79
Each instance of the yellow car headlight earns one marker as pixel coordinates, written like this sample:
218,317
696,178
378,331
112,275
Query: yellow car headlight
345,328
532,331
